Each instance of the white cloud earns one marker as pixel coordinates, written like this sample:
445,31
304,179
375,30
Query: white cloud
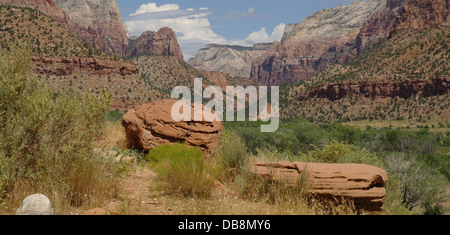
262,36
192,26
152,7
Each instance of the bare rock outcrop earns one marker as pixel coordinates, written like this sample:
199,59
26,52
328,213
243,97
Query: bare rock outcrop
387,89
151,125
163,42
233,60
363,184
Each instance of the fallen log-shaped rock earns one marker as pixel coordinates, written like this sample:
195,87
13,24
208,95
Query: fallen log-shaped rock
363,184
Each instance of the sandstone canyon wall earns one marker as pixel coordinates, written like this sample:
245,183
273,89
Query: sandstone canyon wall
99,22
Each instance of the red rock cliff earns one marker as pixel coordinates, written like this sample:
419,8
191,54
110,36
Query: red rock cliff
163,42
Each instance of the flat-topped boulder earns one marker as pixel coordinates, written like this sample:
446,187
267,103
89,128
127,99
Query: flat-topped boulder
361,183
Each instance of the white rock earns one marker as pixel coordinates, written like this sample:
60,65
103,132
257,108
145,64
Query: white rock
36,204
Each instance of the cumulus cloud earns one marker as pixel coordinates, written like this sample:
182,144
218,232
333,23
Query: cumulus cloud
262,36
192,26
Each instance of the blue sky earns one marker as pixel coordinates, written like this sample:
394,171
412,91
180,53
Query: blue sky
200,22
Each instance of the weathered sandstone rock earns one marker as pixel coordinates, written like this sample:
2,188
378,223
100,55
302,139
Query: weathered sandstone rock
151,125
363,184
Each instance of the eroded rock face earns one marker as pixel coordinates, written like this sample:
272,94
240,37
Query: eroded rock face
163,42
388,89
151,125
322,39
98,23
363,184
402,14
232,60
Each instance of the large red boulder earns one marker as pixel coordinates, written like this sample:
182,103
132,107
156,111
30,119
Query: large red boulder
151,125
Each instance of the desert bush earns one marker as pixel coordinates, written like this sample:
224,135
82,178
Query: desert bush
231,153
336,152
183,168
417,182
46,139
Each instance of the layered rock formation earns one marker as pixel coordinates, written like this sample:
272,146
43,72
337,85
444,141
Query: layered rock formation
322,39
363,184
232,60
163,42
403,89
151,125
91,65
98,23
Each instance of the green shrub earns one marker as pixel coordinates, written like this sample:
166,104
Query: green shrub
183,168
231,153
114,116
46,140
336,152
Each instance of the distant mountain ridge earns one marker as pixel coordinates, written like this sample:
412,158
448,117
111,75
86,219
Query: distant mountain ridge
324,38
229,59
340,34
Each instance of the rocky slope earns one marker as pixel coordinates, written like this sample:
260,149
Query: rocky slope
232,60
322,39
100,22
163,42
